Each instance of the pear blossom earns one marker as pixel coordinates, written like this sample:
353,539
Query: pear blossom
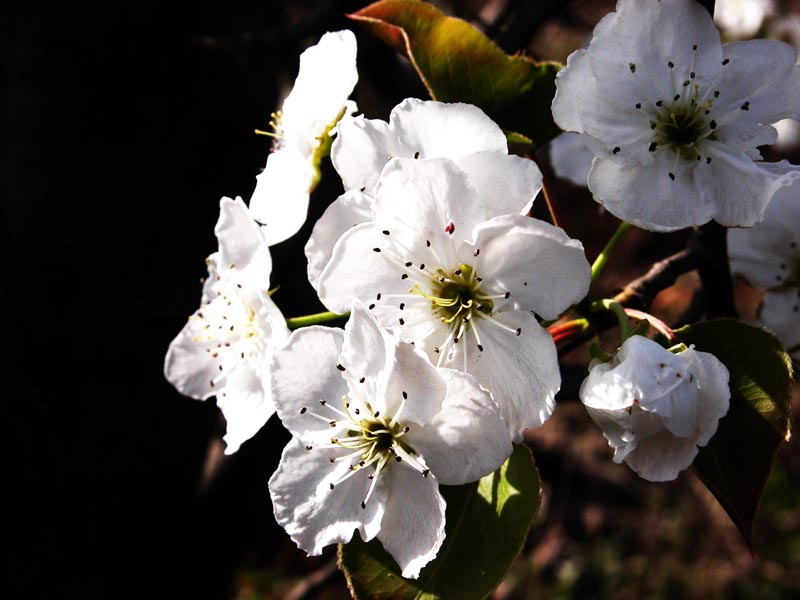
655,407
303,128
422,130
768,256
675,118
571,158
463,287
222,348
788,135
375,431
741,18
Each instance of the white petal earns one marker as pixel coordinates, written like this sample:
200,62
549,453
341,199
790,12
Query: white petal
507,184
780,314
246,406
191,364
765,252
468,438
661,456
326,77
439,130
738,188
571,157
647,196
364,349
616,426
409,374
412,529
361,149
311,350
240,241
573,83
521,371
650,35
417,201
348,210
713,399
425,129
762,72
355,270
741,18
314,515
280,200
609,122
544,269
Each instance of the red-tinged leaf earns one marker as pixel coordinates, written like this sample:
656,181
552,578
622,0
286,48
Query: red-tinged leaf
737,462
458,63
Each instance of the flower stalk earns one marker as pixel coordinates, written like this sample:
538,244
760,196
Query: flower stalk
315,319
602,259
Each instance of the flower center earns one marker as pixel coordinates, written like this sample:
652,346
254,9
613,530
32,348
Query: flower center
457,295
683,124
374,440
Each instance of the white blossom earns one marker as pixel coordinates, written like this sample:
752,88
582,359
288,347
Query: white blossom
422,130
768,256
303,126
463,287
224,345
655,407
376,430
741,18
674,118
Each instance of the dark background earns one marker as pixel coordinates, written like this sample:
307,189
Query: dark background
122,126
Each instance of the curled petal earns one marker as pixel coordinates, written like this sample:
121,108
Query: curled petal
412,529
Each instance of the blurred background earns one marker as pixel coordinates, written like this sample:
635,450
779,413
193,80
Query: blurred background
122,126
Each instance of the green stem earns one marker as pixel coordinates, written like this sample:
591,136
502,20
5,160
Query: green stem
602,258
622,316
306,320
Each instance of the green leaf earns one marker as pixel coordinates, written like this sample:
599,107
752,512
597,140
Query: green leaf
487,523
736,463
458,63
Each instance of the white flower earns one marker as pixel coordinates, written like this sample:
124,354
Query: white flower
655,407
422,130
674,118
462,287
318,99
224,345
376,430
571,157
741,18
769,257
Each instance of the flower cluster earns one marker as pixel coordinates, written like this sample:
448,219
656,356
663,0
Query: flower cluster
443,361
449,285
